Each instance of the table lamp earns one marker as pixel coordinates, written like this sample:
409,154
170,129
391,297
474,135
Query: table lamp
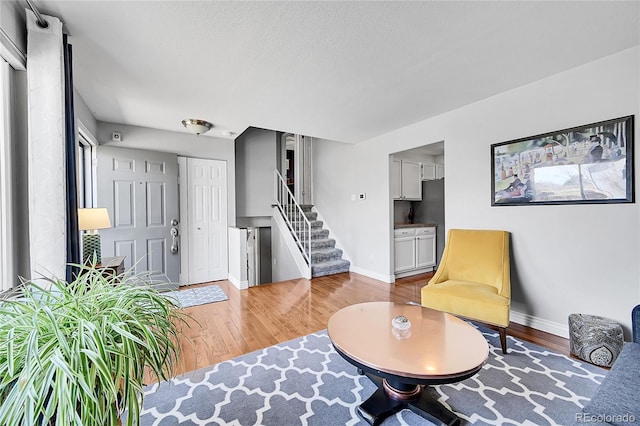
91,220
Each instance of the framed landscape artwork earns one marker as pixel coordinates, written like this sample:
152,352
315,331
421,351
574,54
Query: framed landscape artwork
583,165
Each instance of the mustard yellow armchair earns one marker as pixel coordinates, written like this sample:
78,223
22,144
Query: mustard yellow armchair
473,279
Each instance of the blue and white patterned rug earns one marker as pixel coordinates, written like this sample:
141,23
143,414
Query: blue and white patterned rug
197,296
304,381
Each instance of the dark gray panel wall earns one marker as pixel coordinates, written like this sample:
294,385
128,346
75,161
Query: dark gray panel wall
265,255
431,210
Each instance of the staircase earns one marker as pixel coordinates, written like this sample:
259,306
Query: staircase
326,259
319,253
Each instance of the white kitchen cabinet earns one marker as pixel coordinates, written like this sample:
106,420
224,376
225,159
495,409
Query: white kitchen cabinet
404,253
414,250
432,171
411,182
396,179
425,251
406,180
428,171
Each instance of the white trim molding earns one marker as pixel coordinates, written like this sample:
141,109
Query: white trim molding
376,276
240,284
7,252
541,324
11,53
184,220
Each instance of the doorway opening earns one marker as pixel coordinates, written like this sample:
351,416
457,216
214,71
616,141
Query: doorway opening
296,166
417,198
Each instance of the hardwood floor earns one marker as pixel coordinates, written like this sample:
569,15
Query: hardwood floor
272,313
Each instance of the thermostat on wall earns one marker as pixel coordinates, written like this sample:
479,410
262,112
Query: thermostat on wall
116,136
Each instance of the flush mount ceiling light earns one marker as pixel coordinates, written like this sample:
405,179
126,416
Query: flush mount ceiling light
196,126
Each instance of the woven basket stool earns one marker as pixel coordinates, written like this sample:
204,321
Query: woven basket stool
595,339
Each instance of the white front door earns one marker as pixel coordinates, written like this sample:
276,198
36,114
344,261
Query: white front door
206,221
140,190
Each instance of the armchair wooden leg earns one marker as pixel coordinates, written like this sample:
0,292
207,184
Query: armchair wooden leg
503,338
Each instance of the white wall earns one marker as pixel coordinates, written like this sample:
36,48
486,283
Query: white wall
183,144
579,258
419,157
84,114
238,257
362,226
283,265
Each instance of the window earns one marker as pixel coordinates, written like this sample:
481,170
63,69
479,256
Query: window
86,169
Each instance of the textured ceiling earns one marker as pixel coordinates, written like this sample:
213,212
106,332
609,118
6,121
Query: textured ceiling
345,71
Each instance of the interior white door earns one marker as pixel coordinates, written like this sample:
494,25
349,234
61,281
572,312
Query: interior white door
140,190
207,220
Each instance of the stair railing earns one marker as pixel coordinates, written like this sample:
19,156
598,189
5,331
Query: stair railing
293,215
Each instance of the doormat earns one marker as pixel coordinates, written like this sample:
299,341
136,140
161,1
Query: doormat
197,296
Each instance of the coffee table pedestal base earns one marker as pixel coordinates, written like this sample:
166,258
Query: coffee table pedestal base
388,400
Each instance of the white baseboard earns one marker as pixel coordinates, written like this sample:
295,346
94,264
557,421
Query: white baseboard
240,285
414,272
551,327
541,324
376,276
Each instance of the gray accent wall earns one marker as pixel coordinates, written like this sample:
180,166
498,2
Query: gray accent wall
258,153
256,158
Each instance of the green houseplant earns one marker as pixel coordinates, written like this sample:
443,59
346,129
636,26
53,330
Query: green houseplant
75,353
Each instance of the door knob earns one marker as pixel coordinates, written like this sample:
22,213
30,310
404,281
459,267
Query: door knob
174,240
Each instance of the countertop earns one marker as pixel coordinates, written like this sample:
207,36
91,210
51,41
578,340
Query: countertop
414,225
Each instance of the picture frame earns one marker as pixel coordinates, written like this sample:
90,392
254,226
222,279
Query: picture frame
589,164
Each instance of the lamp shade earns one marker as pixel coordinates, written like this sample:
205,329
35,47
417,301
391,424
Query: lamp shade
89,219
